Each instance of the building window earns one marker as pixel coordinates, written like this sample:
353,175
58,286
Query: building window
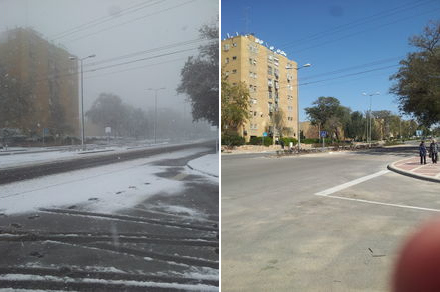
253,48
269,70
234,58
227,60
270,59
269,83
234,71
234,44
270,105
269,95
227,73
226,47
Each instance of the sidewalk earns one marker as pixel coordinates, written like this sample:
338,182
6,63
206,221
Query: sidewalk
208,165
412,167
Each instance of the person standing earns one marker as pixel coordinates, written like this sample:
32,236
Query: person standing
433,150
422,152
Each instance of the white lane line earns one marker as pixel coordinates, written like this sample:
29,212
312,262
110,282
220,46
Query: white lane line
351,183
327,193
381,203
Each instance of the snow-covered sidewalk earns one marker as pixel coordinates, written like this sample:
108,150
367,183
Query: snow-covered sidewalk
208,164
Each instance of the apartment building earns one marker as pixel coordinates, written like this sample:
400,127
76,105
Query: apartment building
272,85
50,79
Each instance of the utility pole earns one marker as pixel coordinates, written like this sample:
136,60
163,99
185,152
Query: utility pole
155,110
82,96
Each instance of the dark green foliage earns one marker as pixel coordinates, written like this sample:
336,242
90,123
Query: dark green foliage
259,141
199,78
287,141
232,139
234,105
310,141
417,81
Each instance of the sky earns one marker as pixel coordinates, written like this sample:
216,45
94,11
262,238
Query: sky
354,46
114,28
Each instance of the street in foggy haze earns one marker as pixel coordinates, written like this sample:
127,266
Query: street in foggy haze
109,145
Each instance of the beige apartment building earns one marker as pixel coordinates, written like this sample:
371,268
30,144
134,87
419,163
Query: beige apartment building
50,79
272,87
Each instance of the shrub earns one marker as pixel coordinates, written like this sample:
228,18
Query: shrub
310,141
259,140
287,141
232,139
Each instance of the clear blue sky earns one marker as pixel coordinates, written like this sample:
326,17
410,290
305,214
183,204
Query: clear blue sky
339,36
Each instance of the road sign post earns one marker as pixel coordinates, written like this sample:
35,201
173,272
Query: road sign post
264,135
323,134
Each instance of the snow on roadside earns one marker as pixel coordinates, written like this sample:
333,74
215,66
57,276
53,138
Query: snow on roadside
128,283
208,165
105,188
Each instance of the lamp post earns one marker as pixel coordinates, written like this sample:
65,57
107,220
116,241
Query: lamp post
155,109
297,102
369,114
82,95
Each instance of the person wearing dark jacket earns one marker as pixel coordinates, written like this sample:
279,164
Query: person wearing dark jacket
433,150
422,152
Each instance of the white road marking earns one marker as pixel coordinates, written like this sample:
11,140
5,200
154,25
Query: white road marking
351,183
327,193
381,203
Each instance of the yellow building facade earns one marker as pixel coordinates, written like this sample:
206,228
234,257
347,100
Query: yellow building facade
50,77
272,87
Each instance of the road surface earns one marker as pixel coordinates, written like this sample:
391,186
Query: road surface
319,222
166,242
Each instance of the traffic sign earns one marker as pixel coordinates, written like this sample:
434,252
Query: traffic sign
323,134
265,134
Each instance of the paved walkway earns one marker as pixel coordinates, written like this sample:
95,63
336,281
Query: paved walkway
412,167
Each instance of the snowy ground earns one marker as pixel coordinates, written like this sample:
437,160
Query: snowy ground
108,188
30,156
208,164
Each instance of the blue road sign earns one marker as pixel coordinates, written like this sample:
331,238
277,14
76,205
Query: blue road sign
323,134
46,131
265,134
419,133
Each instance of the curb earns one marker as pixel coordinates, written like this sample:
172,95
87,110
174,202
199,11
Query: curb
392,167
204,172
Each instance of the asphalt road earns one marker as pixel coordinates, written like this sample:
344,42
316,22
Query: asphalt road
320,222
148,247
88,160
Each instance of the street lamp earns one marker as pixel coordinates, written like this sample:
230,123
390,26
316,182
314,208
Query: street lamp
297,101
369,114
155,109
82,95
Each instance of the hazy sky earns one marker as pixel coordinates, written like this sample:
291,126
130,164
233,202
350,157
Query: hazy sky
115,28
353,45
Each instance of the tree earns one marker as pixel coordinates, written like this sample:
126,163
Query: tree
15,101
382,120
417,81
108,110
330,114
199,78
355,127
235,104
